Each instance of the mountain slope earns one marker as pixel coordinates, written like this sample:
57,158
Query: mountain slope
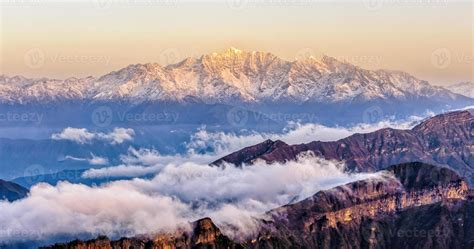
226,77
445,139
214,88
205,234
407,206
11,191
463,88
415,205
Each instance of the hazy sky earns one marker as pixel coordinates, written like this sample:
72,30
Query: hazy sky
432,39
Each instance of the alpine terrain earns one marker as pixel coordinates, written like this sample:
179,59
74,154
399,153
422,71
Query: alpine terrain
333,91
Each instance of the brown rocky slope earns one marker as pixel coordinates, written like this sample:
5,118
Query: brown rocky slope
411,205
444,140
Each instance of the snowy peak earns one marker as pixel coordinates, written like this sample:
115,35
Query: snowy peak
228,76
464,88
236,60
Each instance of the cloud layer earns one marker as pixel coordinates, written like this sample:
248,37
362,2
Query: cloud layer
205,146
183,187
178,194
295,133
83,136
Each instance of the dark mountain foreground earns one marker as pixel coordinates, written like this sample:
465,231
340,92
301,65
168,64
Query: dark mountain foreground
411,205
444,140
11,191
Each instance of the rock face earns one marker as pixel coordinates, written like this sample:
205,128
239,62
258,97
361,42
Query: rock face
204,235
411,205
446,140
11,191
415,205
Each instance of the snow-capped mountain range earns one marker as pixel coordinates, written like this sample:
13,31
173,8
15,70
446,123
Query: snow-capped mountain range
464,88
225,77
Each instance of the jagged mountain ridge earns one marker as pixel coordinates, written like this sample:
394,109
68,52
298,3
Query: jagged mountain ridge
446,139
380,212
205,234
225,77
464,88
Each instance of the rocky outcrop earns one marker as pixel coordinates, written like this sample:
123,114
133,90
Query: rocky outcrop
11,191
445,140
411,205
205,235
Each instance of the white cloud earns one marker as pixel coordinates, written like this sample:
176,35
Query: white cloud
83,136
93,160
118,135
74,209
183,189
97,160
143,162
80,136
179,193
122,171
153,157
223,143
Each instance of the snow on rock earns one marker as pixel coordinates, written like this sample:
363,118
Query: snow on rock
224,77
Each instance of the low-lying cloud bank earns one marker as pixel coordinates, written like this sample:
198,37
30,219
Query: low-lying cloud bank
141,162
83,136
205,147
183,188
178,194
294,133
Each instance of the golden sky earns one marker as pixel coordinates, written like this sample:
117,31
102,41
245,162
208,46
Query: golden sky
431,39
